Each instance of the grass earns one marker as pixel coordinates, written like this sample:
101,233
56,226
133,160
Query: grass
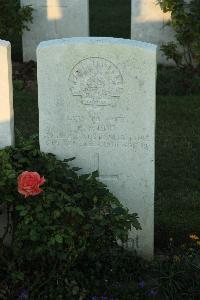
177,197
26,114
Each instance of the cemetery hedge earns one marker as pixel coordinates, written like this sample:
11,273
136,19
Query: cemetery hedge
71,220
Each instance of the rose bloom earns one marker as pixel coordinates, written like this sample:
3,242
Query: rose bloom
29,183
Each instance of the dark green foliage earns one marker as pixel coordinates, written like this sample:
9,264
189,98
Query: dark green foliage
26,113
173,81
177,274
13,19
75,216
186,23
177,204
114,273
110,18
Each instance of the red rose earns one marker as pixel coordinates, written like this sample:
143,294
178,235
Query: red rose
29,183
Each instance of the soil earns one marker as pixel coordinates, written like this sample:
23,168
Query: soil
25,75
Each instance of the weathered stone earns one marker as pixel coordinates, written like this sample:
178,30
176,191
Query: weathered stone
97,103
149,24
54,19
6,112
6,96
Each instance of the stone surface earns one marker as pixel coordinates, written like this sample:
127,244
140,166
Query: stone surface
97,103
6,96
6,111
53,19
148,24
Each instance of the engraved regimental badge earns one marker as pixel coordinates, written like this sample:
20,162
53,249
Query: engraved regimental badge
97,81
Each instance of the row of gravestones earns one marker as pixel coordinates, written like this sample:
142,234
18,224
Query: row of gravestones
55,19
97,103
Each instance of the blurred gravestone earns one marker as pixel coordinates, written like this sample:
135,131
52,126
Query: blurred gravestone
54,19
6,109
6,96
149,24
97,103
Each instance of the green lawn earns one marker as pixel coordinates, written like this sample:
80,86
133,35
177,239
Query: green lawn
26,114
177,197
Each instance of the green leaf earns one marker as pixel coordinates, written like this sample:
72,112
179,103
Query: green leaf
33,235
58,239
20,207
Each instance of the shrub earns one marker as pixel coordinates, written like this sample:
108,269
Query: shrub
64,243
76,216
186,24
13,19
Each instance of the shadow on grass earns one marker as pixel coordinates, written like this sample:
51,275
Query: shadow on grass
177,198
26,114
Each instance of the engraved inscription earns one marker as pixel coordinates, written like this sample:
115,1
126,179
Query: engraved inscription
96,130
97,81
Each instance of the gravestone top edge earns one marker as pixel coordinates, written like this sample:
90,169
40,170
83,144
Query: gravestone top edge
4,43
97,41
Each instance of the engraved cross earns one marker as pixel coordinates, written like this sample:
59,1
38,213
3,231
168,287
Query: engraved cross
53,3
54,11
110,177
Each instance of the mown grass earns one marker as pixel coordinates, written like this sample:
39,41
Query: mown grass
26,114
177,167
177,197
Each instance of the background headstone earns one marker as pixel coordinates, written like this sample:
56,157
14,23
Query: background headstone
54,19
148,24
6,96
6,110
97,103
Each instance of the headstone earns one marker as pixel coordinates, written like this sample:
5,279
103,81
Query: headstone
149,24
53,19
6,96
6,111
97,103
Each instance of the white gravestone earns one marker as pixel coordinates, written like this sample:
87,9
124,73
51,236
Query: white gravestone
6,110
6,96
149,24
97,103
53,19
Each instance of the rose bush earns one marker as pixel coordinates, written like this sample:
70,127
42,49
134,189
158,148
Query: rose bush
73,220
